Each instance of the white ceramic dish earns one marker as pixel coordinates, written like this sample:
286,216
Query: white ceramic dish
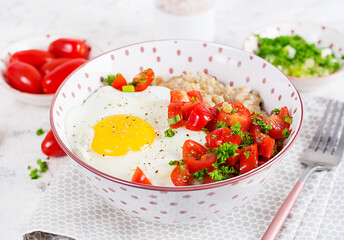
168,58
39,42
321,36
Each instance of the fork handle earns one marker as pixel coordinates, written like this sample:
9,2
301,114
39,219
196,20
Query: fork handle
283,212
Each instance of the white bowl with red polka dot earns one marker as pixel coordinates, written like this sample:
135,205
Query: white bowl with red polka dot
38,42
321,36
168,58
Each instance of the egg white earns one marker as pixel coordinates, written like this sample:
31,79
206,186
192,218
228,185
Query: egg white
150,105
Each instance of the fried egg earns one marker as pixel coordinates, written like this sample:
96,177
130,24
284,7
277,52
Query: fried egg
114,132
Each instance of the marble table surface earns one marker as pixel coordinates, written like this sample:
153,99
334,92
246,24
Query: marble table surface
111,24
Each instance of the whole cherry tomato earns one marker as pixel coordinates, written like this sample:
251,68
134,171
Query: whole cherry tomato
52,81
69,48
51,65
180,175
33,57
24,77
50,147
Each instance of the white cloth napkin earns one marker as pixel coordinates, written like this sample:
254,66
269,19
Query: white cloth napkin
69,209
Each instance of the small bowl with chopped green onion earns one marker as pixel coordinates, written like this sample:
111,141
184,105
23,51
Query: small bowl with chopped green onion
311,55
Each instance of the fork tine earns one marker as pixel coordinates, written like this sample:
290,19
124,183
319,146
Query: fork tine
323,142
340,147
317,135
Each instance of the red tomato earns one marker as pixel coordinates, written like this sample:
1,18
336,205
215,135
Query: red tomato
33,57
179,177
213,121
250,162
206,161
119,82
196,95
284,112
208,179
143,79
255,133
69,48
188,107
175,109
198,118
24,77
278,125
266,147
233,160
51,65
140,177
50,147
52,81
242,115
178,96
220,136
192,154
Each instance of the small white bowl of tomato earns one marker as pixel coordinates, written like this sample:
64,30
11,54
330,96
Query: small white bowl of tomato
33,69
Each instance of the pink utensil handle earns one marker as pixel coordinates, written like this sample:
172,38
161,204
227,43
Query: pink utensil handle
283,212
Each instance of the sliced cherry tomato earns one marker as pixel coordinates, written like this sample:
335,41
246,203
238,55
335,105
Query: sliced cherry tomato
249,162
119,82
33,57
180,177
51,65
188,107
220,136
52,81
24,77
69,48
142,80
266,147
178,96
213,121
175,109
195,96
278,125
206,161
232,161
208,179
198,118
255,133
241,115
192,154
50,147
140,177
284,112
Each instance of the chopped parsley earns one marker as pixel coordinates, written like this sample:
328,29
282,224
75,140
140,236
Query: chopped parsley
110,78
285,133
182,167
39,132
29,167
276,111
205,129
223,152
220,125
174,120
246,140
236,129
169,133
265,127
214,136
143,80
199,175
34,174
176,162
221,173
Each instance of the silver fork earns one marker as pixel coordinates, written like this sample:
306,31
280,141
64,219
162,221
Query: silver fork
324,153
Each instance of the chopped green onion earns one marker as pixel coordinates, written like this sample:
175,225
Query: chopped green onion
276,111
219,109
128,88
39,132
285,133
174,120
288,119
169,133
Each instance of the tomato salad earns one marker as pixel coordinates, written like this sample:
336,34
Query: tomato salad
237,141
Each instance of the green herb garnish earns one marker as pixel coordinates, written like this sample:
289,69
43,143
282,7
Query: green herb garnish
128,88
199,175
220,125
39,132
265,127
288,119
276,111
247,154
223,152
169,133
285,133
173,120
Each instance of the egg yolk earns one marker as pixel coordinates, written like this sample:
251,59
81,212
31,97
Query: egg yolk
116,135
